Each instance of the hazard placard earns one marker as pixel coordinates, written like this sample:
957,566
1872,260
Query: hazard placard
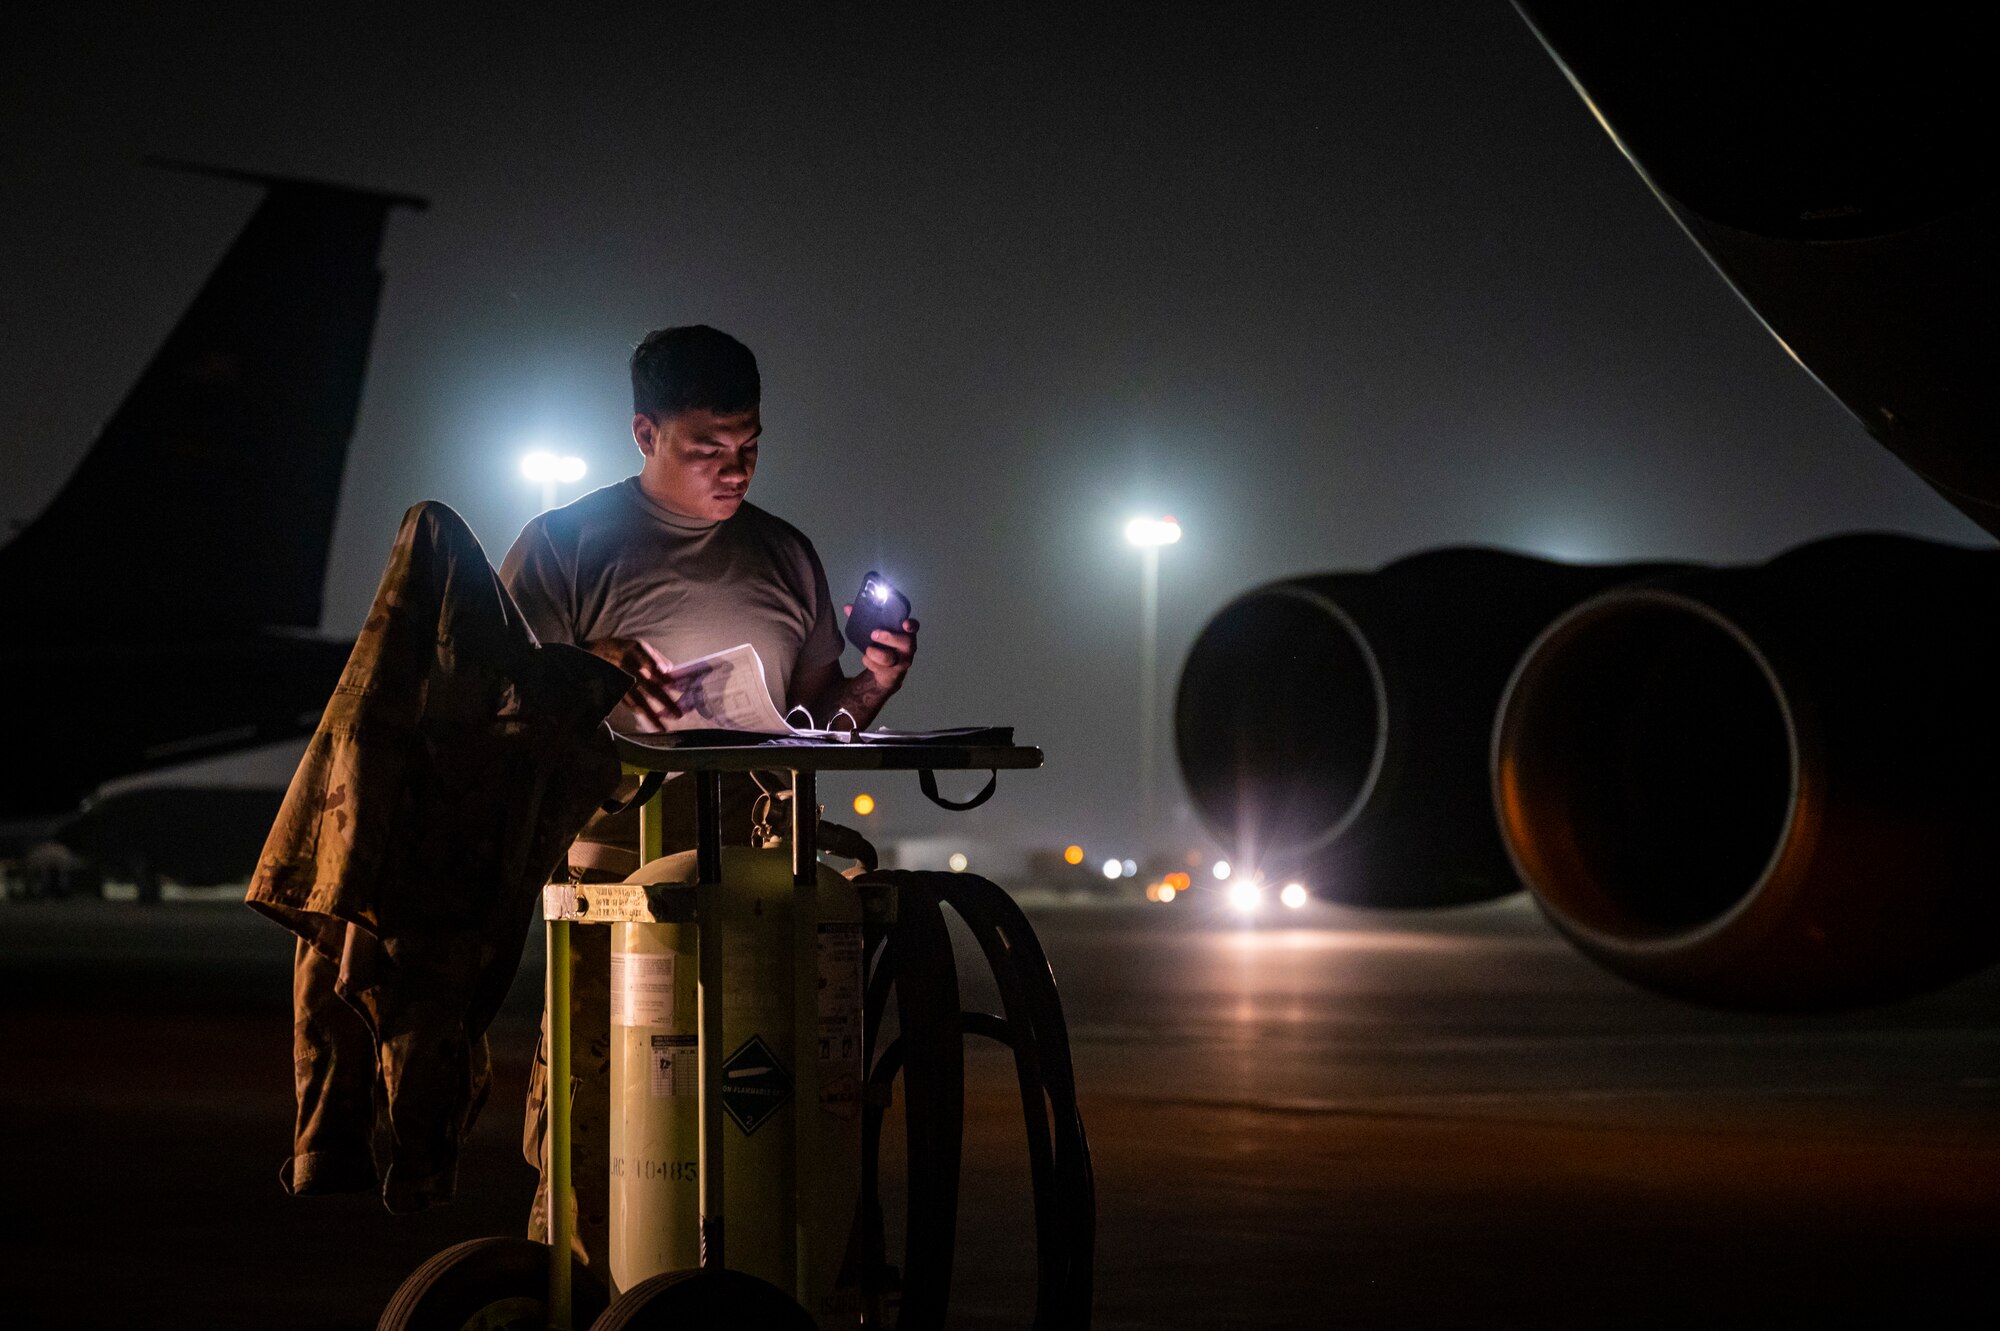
755,1084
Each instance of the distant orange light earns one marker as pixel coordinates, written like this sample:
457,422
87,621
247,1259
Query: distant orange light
1178,881
864,805
1153,891
1073,855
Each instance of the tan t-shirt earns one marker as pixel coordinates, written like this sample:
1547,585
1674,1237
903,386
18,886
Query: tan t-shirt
614,564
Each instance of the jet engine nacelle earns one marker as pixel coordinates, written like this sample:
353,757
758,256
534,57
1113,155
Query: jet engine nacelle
1769,787
1836,164
1335,727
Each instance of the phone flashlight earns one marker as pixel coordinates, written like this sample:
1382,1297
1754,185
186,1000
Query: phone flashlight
876,606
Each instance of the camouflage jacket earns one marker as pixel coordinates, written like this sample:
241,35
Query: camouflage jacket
454,764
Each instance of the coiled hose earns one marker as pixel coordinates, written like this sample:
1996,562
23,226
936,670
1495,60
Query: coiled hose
913,957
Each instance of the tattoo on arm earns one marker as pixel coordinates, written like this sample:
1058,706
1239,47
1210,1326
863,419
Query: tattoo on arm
862,696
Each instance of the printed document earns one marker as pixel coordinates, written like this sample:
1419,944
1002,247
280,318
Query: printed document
726,690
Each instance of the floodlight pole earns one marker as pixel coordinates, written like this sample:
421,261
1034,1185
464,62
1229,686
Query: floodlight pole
1149,633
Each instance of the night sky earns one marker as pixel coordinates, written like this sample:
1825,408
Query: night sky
1328,287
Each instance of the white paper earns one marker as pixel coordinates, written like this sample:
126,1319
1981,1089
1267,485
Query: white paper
726,690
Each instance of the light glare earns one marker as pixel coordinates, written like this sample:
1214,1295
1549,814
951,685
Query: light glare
1145,532
543,467
957,862
1294,895
1073,855
1130,868
1245,897
1113,869
1220,870
864,805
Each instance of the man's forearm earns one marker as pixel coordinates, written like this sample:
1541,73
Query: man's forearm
862,697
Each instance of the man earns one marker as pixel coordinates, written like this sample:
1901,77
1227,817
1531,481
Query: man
672,564
675,563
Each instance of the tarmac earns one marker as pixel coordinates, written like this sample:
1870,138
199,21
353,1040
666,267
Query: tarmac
1330,1118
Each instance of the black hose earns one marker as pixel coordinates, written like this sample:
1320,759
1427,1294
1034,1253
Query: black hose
1065,1191
933,1052
1032,1028
990,1026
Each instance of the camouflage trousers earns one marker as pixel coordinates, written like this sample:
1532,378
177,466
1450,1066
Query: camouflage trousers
589,1098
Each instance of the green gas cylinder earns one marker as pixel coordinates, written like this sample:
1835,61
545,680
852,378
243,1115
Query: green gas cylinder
655,1103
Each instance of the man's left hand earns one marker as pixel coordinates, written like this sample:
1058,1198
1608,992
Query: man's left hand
890,661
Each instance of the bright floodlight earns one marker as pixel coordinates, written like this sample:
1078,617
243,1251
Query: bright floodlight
544,467
1220,869
1114,869
1294,895
1245,897
1152,531
957,862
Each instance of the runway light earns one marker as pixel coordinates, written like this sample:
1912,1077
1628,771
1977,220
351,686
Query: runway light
1152,531
1168,891
1130,868
1220,870
1073,855
1113,869
542,467
957,862
864,804
1245,897
1294,895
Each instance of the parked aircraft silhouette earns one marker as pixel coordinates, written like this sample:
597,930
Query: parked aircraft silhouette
165,606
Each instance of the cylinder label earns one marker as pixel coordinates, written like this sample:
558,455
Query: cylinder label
642,988
840,990
674,1067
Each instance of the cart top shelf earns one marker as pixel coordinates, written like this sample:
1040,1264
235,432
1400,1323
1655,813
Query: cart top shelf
653,753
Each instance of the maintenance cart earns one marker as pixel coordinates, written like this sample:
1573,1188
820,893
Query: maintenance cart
748,1080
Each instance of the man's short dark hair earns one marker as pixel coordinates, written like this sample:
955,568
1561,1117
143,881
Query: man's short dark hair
695,368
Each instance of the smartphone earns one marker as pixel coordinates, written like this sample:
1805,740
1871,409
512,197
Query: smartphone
876,606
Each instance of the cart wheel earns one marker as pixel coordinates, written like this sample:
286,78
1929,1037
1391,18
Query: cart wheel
701,1300
491,1284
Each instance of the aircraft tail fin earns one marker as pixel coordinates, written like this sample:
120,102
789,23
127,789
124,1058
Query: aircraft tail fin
206,504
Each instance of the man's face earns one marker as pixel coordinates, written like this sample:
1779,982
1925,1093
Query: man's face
698,463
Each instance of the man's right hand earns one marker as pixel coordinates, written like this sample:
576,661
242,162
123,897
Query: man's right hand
650,696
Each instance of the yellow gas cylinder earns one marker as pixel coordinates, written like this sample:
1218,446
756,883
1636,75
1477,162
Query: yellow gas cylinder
655,1105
